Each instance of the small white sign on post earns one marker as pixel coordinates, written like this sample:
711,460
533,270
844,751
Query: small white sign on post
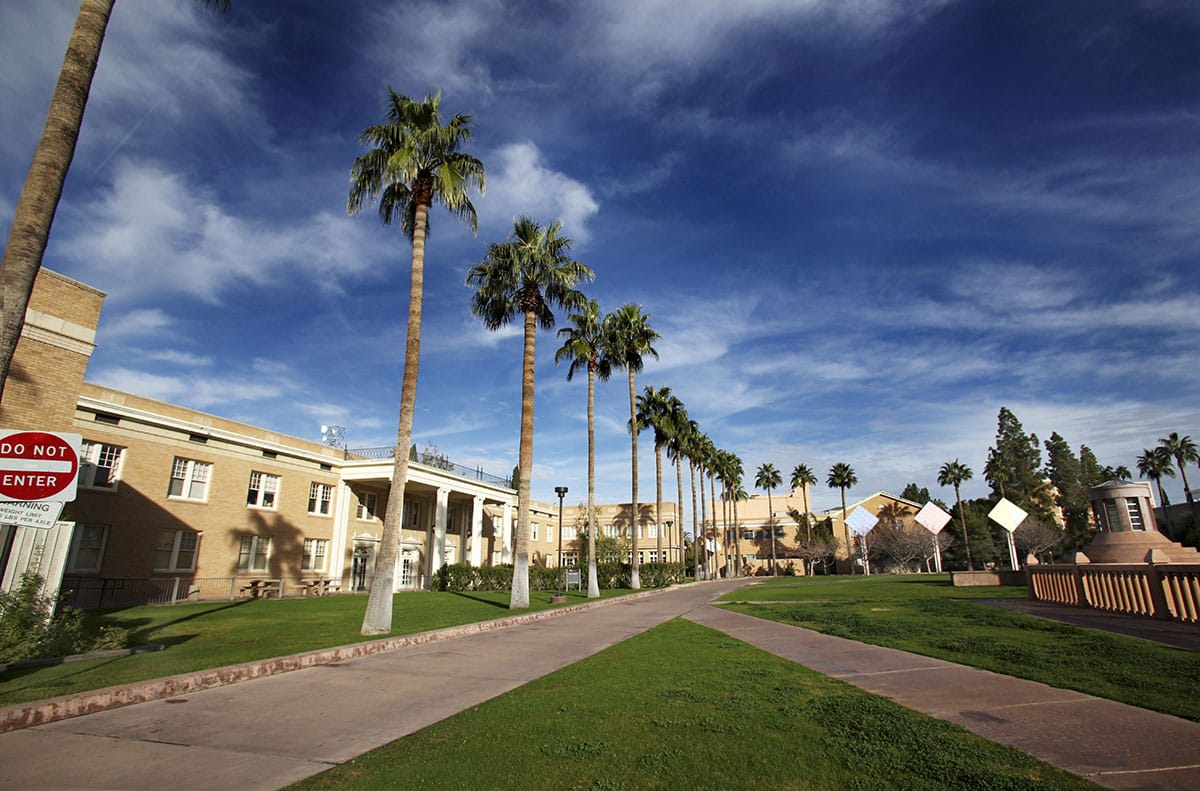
933,519
1009,515
39,514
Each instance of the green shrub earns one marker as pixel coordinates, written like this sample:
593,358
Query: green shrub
660,575
28,628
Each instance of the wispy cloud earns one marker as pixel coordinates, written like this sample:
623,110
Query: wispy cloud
521,183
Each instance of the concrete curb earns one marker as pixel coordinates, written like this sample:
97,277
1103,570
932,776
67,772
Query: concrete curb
40,712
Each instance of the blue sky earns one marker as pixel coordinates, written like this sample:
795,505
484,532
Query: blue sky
860,227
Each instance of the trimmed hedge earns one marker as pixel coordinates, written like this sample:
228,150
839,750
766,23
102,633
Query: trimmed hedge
465,577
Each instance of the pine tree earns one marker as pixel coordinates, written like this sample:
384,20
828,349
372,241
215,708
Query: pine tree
1014,468
1064,471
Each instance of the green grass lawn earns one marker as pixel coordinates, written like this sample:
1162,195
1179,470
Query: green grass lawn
925,614
682,706
202,636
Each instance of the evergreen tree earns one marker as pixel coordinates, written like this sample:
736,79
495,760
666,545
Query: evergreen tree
1014,468
1090,472
916,494
1065,472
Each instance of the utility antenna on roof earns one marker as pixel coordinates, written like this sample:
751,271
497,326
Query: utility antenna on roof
334,436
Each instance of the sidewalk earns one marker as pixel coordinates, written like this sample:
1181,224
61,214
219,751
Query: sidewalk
267,732
1109,743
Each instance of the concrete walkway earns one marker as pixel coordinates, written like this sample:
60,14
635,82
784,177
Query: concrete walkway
268,732
1109,743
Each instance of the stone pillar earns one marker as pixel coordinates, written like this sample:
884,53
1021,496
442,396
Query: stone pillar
437,553
477,532
506,535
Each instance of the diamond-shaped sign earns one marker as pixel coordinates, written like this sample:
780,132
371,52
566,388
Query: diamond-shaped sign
861,520
932,518
1007,514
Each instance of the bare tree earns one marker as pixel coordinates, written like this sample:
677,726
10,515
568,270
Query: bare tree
1034,537
902,545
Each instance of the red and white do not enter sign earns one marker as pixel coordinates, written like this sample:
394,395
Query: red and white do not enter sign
38,465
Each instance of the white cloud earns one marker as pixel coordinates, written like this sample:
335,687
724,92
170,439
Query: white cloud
156,231
521,183
145,322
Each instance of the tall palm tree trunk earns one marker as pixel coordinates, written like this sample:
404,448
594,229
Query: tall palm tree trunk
378,617
846,530
658,531
712,501
635,580
737,536
703,529
593,581
962,517
678,537
520,585
38,202
771,526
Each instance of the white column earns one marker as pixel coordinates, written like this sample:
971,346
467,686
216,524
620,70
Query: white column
477,532
506,535
340,552
437,553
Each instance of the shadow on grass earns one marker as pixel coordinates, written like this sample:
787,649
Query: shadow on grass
140,629
467,595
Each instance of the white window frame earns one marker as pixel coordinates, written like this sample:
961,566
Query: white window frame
314,555
191,473
249,548
612,531
263,491
652,531
533,531
177,542
368,506
81,532
320,498
90,455
570,533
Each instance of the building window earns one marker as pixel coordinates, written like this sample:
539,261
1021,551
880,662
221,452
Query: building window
87,548
263,487
612,531
189,479
1135,514
253,553
176,550
653,555
99,465
533,532
413,509
570,558
368,504
569,533
651,531
320,495
315,550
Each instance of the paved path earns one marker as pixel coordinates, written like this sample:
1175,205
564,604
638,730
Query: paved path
1109,743
268,732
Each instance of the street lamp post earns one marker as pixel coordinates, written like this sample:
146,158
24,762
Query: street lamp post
560,595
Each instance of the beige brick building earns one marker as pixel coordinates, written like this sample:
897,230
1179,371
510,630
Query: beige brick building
173,499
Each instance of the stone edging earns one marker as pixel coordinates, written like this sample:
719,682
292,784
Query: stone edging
40,712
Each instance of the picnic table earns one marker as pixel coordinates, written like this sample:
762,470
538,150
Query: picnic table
262,589
321,587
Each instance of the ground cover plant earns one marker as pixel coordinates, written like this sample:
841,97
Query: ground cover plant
926,615
213,634
683,706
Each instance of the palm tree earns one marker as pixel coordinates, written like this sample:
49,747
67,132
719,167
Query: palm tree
525,277
1120,473
676,450
802,478
630,338
1183,450
413,162
953,473
841,476
733,472
1155,464
739,495
655,409
690,446
583,346
767,477
42,190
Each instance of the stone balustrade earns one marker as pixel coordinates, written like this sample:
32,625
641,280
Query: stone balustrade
1166,591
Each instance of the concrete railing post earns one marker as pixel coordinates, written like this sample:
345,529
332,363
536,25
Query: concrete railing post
1158,593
